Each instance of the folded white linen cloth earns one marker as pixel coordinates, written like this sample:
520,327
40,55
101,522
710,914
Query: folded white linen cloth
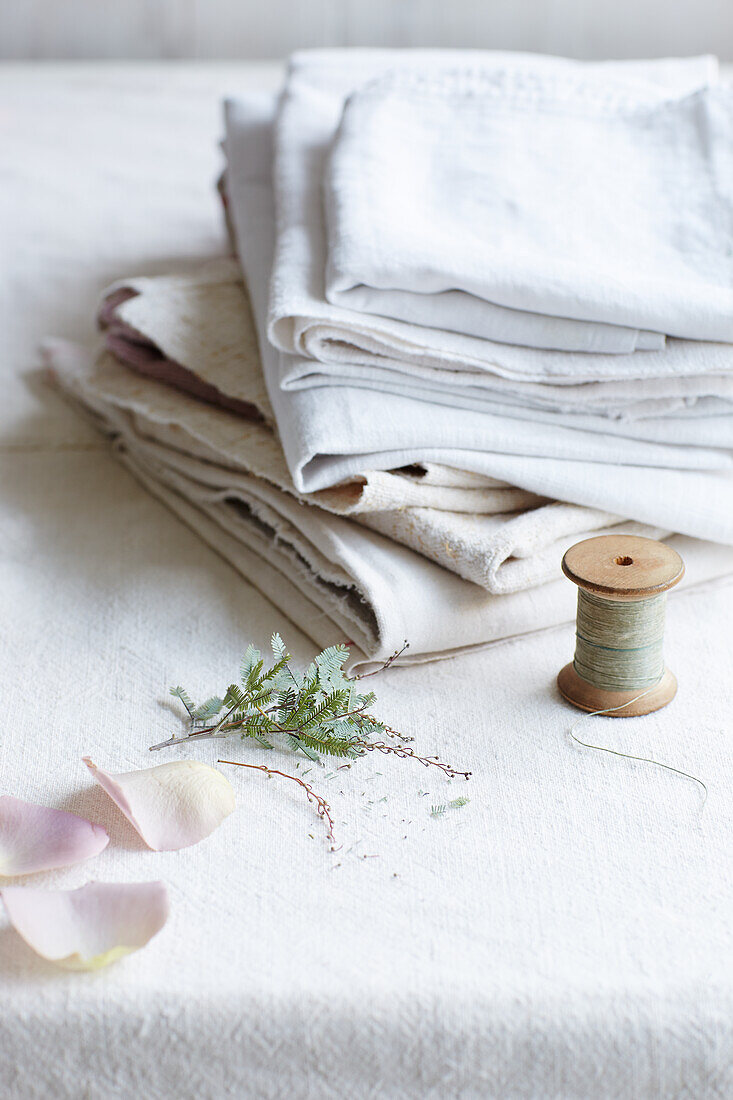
551,191
331,576
196,333
698,395
300,317
331,433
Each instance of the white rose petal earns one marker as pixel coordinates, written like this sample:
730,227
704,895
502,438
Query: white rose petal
172,805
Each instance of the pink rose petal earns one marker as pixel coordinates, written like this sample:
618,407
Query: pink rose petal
172,805
38,838
88,928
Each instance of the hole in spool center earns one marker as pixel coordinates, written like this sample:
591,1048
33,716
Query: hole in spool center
624,560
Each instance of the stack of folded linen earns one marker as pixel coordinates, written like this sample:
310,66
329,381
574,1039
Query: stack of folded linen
490,311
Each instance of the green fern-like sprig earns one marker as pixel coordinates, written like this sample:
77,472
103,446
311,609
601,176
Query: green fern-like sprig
320,712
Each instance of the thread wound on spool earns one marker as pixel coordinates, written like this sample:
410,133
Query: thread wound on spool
618,668
620,646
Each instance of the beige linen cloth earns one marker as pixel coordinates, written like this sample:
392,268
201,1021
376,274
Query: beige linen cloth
197,333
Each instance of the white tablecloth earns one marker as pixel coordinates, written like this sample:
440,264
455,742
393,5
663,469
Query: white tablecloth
567,934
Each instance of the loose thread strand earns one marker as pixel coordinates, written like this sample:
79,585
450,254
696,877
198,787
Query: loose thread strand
628,755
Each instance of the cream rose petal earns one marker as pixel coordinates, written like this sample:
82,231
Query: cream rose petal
172,805
38,838
88,928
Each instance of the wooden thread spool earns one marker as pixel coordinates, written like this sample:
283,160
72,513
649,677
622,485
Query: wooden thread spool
621,569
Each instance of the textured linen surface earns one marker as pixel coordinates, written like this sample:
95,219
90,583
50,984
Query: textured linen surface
448,194
566,935
332,433
202,326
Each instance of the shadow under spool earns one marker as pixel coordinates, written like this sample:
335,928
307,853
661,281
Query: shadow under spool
620,569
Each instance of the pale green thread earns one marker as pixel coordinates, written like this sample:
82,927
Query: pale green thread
628,755
619,646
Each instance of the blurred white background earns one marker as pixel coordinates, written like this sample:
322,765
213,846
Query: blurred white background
55,29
